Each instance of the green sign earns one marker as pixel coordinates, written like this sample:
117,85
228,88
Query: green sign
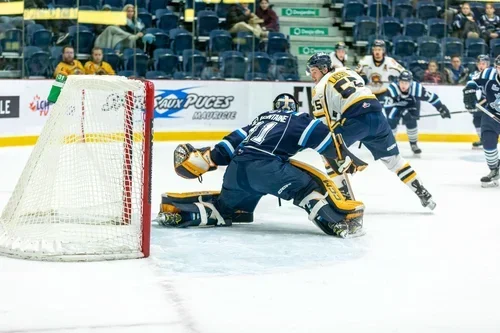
310,50
308,31
300,12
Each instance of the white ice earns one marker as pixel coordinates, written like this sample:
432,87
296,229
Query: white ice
413,271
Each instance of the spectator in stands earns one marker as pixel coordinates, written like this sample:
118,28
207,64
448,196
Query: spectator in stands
465,24
266,13
96,66
489,23
240,18
432,74
458,74
129,36
69,65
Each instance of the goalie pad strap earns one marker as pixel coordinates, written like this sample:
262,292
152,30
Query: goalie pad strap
316,208
203,214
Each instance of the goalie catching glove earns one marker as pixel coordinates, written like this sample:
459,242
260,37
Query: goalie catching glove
192,163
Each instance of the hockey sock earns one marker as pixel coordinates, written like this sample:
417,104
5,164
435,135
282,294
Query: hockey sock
402,169
491,158
412,134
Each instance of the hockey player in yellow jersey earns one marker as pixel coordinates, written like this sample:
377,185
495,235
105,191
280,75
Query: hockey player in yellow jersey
379,70
341,99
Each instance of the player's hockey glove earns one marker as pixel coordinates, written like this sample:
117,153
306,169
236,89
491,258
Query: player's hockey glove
443,110
346,162
191,163
470,98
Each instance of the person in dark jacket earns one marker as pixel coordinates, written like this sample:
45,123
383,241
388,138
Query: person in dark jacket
240,18
465,24
271,21
489,23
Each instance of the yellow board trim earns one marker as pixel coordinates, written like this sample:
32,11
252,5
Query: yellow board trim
11,8
102,17
30,140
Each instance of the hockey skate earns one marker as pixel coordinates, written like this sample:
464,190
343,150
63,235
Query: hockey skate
424,195
415,149
477,145
491,180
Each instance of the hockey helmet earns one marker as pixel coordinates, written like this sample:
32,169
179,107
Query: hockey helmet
497,61
406,76
340,46
483,57
320,60
378,43
285,102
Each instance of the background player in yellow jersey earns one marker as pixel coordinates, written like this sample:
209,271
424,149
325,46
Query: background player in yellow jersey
96,66
341,99
69,65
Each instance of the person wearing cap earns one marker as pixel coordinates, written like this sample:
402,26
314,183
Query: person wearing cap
483,62
405,94
339,56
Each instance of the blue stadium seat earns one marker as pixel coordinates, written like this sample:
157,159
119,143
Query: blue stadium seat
154,75
221,10
207,21
161,51
428,47
168,22
477,8
193,63
417,61
352,9
475,47
86,8
5,26
452,46
154,5
38,64
28,51
497,8
31,29
390,26
92,3
365,27
246,42
180,40
146,18
136,3
42,39
443,62
162,40
258,66
196,5
400,60
12,40
285,67
277,42
127,73
161,11
220,41
140,62
436,27
378,8
64,3
113,3
404,46
167,63
129,52
470,63
426,10
73,29
402,9
233,65
495,47
113,59
414,27
83,42
55,55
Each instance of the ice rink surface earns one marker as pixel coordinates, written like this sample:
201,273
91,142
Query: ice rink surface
413,271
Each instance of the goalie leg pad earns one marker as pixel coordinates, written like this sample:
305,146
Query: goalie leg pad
196,209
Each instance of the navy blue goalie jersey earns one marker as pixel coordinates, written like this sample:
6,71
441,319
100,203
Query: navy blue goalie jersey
276,134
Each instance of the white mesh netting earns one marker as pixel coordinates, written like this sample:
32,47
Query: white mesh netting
80,196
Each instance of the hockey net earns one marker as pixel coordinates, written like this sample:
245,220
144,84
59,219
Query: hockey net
84,193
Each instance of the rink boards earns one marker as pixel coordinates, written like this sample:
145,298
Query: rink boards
207,110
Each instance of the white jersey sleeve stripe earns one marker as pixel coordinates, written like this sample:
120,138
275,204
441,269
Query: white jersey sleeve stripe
307,132
242,133
326,141
228,146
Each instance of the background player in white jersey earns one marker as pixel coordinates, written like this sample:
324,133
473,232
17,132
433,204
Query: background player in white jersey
405,94
342,100
339,56
379,70
483,62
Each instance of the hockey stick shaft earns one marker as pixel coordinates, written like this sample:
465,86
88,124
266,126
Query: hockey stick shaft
491,115
438,114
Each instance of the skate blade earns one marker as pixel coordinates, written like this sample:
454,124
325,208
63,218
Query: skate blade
431,205
358,233
491,184
477,148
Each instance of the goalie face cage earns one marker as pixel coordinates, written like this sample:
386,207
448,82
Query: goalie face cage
84,193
